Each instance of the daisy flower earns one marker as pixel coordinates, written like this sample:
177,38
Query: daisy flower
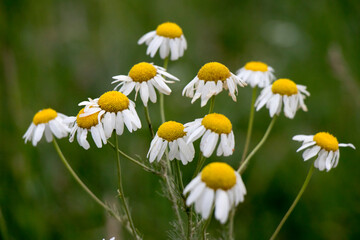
83,125
211,79
115,110
323,144
256,74
217,184
212,127
46,121
169,38
171,133
144,77
283,91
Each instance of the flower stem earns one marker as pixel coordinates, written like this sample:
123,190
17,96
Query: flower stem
146,168
305,184
206,224
250,125
212,104
231,224
121,190
78,180
147,115
179,175
199,165
268,130
3,229
162,111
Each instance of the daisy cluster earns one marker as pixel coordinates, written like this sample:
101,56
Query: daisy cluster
217,186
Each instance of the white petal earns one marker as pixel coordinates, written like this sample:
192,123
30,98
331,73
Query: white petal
311,152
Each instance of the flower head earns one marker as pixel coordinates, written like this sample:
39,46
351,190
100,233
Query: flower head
48,121
144,77
171,133
256,74
114,110
212,127
84,124
323,144
283,91
211,79
169,38
219,184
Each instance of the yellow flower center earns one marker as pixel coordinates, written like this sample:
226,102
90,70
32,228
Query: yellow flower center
169,30
113,101
44,116
218,175
214,71
256,66
284,86
171,131
142,72
326,141
217,123
88,121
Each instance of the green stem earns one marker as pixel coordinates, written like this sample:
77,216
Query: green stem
305,184
199,165
250,125
179,175
147,115
231,224
262,141
121,190
3,228
212,104
189,215
78,180
162,111
146,168
206,224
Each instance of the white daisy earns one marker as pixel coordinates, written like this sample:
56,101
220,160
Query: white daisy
171,133
283,91
82,125
212,127
168,37
219,184
211,79
48,121
256,74
115,110
323,144
144,77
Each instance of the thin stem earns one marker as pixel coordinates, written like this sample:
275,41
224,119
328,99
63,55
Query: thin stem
162,111
78,180
206,224
189,215
179,175
212,104
305,184
147,115
268,130
200,164
146,168
3,228
121,189
250,125
231,224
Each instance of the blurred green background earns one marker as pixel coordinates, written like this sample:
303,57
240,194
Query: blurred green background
58,53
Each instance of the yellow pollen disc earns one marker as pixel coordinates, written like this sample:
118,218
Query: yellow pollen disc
142,72
284,86
169,30
88,121
171,131
217,123
113,101
214,71
218,175
326,141
256,66
44,116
